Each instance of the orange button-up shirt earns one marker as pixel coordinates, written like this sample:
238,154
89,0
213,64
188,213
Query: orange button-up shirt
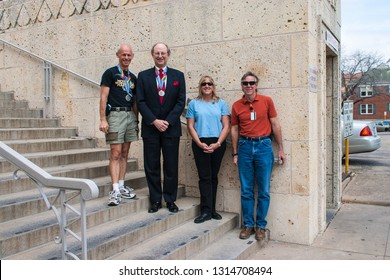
264,108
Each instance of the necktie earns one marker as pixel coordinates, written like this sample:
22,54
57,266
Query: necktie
161,73
161,87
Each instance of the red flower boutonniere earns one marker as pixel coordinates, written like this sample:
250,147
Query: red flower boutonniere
175,83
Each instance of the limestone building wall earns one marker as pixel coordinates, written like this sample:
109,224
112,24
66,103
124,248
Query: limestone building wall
285,42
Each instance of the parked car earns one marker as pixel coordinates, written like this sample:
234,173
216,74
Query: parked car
386,122
364,139
382,126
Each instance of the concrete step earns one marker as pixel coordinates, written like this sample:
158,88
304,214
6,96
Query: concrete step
7,95
230,247
20,204
37,133
90,170
22,238
21,113
60,158
181,241
13,104
54,144
28,122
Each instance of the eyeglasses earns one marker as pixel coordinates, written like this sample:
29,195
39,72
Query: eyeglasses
205,83
245,83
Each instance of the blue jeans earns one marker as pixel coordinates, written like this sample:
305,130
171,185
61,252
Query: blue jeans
255,163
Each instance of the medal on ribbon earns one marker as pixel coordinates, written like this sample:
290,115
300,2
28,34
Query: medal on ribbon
127,84
161,79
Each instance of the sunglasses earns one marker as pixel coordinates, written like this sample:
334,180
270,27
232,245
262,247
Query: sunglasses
245,83
205,83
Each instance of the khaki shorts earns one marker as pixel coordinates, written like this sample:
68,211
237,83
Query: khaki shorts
123,127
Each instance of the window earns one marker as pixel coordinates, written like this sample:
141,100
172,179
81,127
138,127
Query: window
366,91
367,109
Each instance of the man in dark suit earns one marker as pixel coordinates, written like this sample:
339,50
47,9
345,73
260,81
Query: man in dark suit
161,95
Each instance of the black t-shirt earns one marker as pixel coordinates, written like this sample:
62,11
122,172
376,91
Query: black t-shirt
119,85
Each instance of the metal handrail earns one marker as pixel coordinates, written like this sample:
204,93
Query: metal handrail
50,62
48,76
85,188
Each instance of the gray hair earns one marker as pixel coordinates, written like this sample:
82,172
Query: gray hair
250,74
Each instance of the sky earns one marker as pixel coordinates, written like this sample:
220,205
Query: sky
365,26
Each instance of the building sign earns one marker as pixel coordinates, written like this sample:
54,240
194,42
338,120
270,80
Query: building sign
313,78
331,41
348,118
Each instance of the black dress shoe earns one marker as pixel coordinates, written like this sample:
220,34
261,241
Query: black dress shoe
216,216
172,207
203,217
154,207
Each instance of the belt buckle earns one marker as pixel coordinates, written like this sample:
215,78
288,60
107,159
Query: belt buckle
118,109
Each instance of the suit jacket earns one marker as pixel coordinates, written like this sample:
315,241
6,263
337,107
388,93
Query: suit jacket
148,102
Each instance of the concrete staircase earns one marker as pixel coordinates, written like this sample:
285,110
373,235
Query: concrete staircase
28,230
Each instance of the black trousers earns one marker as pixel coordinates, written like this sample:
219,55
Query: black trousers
169,146
208,166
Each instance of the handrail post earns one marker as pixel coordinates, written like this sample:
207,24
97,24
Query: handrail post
83,218
47,89
45,85
63,225
51,89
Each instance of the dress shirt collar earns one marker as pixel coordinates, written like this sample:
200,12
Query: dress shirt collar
164,69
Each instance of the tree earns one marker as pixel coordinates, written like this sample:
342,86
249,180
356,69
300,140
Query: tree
358,69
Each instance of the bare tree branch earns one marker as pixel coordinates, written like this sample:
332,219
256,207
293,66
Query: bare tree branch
356,69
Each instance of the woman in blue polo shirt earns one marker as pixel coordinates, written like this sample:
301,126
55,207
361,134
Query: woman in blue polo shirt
208,122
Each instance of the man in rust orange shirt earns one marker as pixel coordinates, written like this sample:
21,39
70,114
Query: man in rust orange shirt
254,118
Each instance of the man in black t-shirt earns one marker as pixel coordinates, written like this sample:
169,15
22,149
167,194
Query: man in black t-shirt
119,120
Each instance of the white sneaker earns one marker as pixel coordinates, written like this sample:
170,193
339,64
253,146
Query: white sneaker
127,192
114,199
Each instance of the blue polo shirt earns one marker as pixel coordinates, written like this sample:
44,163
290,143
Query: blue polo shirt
207,116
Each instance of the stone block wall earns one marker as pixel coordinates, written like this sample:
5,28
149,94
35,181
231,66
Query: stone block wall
278,39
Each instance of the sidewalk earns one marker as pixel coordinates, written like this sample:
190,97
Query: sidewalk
360,230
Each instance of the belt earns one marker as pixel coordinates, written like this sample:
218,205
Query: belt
118,109
254,139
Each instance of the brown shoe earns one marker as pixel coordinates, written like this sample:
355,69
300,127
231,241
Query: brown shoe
260,234
246,232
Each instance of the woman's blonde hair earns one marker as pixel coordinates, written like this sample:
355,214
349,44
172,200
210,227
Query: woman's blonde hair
213,93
